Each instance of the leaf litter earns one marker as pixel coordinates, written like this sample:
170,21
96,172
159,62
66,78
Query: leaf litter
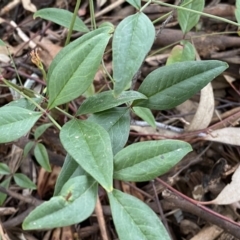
216,115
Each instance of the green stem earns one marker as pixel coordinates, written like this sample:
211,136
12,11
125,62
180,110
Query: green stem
197,12
164,48
143,7
106,71
162,17
93,21
64,112
35,104
72,22
14,65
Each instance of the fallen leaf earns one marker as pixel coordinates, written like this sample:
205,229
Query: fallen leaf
228,135
203,116
29,6
231,193
187,107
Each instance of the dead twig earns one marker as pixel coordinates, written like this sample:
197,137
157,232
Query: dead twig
101,220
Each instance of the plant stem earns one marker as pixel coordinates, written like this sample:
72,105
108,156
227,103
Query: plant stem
143,7
72,22
106,71
93,22
14,65
64,112
197,12
162,17
37,105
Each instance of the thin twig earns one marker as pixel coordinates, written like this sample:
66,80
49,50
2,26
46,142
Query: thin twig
185,203
30,199
101,220
160,208
106,10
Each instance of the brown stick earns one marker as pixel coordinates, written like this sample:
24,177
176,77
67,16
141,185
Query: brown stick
187,206
101,220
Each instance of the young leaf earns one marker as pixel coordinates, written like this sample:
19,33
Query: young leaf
73,69
69,170
105,100
4,184
145,161
146,115
23,181
41,129
231,193
132,41
90,145
75,203
61,17
116,122
169,86
15,122
237,11
28,148
182,52
188,20
135,3
2,43
4,169
134,220
41,156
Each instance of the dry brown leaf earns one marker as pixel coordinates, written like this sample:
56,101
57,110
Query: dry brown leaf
231,193
204,113
228,135
46,181
50,50
208,233
29,6
187,107
9,6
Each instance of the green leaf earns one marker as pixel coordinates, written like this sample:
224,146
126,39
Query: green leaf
23,181
73,69
135,3
15,122
41,129
132,40
106,100
24,103
75,203
188,20
28,148
41,156
182,52
4,184
116,122
134,220
237,11
90,145
4,169
146,115
145,161
171,85
89,92
2,43
69,170
61,17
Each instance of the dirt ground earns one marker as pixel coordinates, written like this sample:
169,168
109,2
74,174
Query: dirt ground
201,175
